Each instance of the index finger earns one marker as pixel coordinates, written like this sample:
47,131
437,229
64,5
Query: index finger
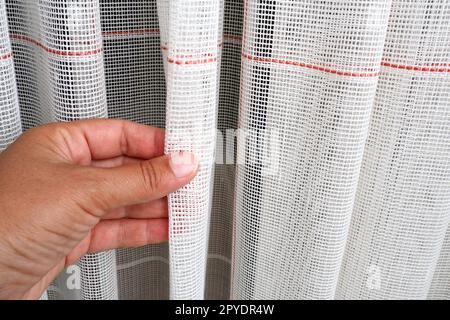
108,138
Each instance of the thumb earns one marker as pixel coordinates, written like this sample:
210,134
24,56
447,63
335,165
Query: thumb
144,181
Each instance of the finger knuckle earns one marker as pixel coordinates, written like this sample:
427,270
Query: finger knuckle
150,175
91,196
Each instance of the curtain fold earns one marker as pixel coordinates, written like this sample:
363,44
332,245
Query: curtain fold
193,66
402,208
298,212
329,174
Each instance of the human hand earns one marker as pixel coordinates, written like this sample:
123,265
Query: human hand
67,189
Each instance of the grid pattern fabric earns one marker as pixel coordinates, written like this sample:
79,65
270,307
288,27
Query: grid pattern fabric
98,276
441,277
193,57
294,222
336,183
135,90
218,273
402,207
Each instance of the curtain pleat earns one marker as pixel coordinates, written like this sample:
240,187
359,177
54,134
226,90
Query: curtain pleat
192,76
402,208
329,176
292,216
218,273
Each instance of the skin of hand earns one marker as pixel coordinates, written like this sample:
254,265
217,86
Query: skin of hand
68,189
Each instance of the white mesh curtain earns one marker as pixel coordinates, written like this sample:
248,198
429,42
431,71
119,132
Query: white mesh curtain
339,182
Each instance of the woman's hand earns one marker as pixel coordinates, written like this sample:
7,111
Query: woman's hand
67,189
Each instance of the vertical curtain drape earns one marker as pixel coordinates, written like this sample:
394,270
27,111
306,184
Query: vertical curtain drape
322,129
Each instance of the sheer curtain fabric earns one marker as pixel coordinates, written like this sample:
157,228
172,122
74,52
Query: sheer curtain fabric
336,184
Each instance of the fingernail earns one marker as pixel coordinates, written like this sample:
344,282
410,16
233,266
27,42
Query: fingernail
183,163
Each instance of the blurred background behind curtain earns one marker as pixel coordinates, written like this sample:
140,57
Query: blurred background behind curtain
356,93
